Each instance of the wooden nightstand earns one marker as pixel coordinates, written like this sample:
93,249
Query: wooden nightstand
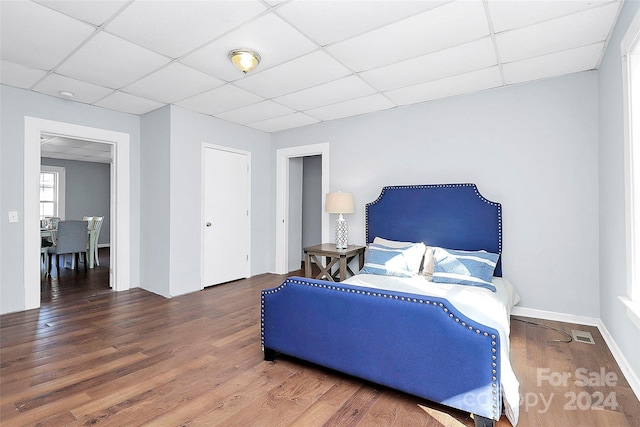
333,256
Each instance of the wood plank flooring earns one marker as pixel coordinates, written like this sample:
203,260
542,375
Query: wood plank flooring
90,356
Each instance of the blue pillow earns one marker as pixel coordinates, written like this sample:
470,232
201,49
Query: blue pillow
472,268
389,261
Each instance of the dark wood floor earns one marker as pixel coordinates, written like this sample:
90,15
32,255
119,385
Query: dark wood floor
90,356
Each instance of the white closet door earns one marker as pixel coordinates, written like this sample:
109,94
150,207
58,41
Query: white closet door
226,216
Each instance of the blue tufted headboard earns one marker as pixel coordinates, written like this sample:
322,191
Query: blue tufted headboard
453,216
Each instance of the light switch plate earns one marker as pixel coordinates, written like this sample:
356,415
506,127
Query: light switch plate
13,216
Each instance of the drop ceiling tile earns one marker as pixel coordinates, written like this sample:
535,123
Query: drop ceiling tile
332,21
83,92
69,143
98,148
568,32
255,113
284,122
446,26
36,36
173,29
52,154
507,15
461,59
69,156
272,38
81,152
95,12
110,61
328,93
18,75
451,86
556,64
103,154
127,103
54,148
46,137
352,107
160,86
223,98
301,73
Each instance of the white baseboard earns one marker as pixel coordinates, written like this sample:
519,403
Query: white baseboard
552,315
626,369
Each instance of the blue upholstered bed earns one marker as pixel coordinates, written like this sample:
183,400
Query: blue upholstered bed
420,344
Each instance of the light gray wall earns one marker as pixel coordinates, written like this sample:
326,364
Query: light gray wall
532,147
15,104
612,201
189,131
155,201
312,201
87,191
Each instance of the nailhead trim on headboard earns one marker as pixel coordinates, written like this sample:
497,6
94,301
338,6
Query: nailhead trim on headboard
410,187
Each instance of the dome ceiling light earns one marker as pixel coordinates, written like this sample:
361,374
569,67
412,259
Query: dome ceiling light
245,60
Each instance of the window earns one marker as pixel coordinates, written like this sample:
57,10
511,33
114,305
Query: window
52,191
630,49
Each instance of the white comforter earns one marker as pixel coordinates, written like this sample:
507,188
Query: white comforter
482,305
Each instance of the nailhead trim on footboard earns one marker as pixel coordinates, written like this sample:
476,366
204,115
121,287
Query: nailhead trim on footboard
381,294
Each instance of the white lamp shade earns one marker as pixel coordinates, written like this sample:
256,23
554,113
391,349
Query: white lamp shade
340,203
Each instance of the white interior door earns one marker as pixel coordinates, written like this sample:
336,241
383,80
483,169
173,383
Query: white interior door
226,215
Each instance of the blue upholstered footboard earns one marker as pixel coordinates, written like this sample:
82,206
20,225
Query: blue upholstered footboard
415,344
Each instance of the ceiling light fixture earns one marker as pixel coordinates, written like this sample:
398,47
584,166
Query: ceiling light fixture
245,60
66,94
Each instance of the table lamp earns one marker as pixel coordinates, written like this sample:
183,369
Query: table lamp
340,203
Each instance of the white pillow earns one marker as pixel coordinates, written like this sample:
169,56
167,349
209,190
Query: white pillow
414,256
471,268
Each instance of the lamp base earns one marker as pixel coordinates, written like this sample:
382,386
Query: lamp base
341,233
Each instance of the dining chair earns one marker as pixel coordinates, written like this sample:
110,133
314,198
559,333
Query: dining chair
44,259
94,233
70,238
51,223
90,225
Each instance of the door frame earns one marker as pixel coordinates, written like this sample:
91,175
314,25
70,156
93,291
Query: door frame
283,156
120,204
206,146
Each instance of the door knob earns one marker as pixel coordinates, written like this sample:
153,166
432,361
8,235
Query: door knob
208,224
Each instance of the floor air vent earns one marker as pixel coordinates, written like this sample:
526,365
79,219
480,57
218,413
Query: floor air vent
582,336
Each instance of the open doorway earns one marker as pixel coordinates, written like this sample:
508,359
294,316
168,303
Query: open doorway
289,161
305,207
76,185
119,269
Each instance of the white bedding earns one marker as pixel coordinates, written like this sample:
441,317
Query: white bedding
482,305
